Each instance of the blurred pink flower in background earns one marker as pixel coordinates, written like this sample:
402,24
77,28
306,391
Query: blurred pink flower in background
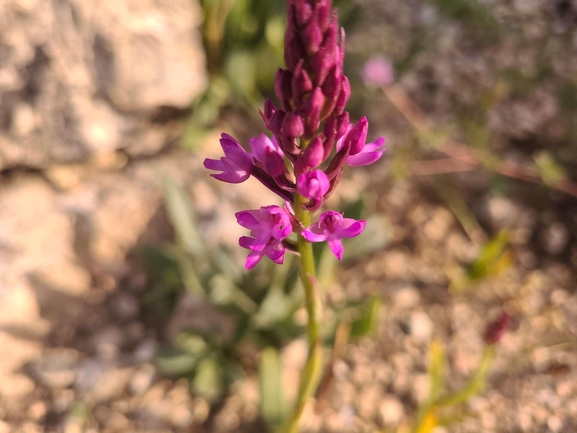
378,71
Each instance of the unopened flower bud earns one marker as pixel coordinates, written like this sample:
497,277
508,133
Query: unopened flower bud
277,121
314,153
332,85
328,55
496,329
303,11
268,153
301,83
323,12
282,85
313,184
313,105
312,35
344,95
357,136
294,51
342,124
331,89
269,110
293,125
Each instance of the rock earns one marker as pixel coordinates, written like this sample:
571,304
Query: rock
56,369
4,427
108,342
406,298
146,350
100,381
555,238
142,379
391,411
367,401
421,326
421,387
68,81
125,306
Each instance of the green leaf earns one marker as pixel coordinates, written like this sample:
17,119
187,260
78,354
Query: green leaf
182,217
551,173
437,369
208,380
176,362
272,401
367,318
493,259
223,292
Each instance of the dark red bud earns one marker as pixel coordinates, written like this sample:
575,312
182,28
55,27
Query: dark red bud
301,83
332,84
321,64
294,51
282,85
273,163
314,153
314,103
269,108
312,110
331,89
293,125
496,329
323,13
328,145
344,95
342,125
341,53
357,136
303,12
288,145
312,35
276,122
330,129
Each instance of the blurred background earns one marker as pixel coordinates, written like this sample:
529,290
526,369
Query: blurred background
124,305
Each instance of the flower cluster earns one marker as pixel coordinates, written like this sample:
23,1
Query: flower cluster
312,138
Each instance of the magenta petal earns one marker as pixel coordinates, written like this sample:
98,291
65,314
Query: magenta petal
229,177
252,259
213,164
313,237
229,144
364,158
247,219
245,242
276,256
261,240
351,228
336,247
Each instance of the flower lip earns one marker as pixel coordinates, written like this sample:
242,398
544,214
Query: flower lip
332,227
269,222
273,249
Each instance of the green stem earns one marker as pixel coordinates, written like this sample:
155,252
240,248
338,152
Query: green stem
311,373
